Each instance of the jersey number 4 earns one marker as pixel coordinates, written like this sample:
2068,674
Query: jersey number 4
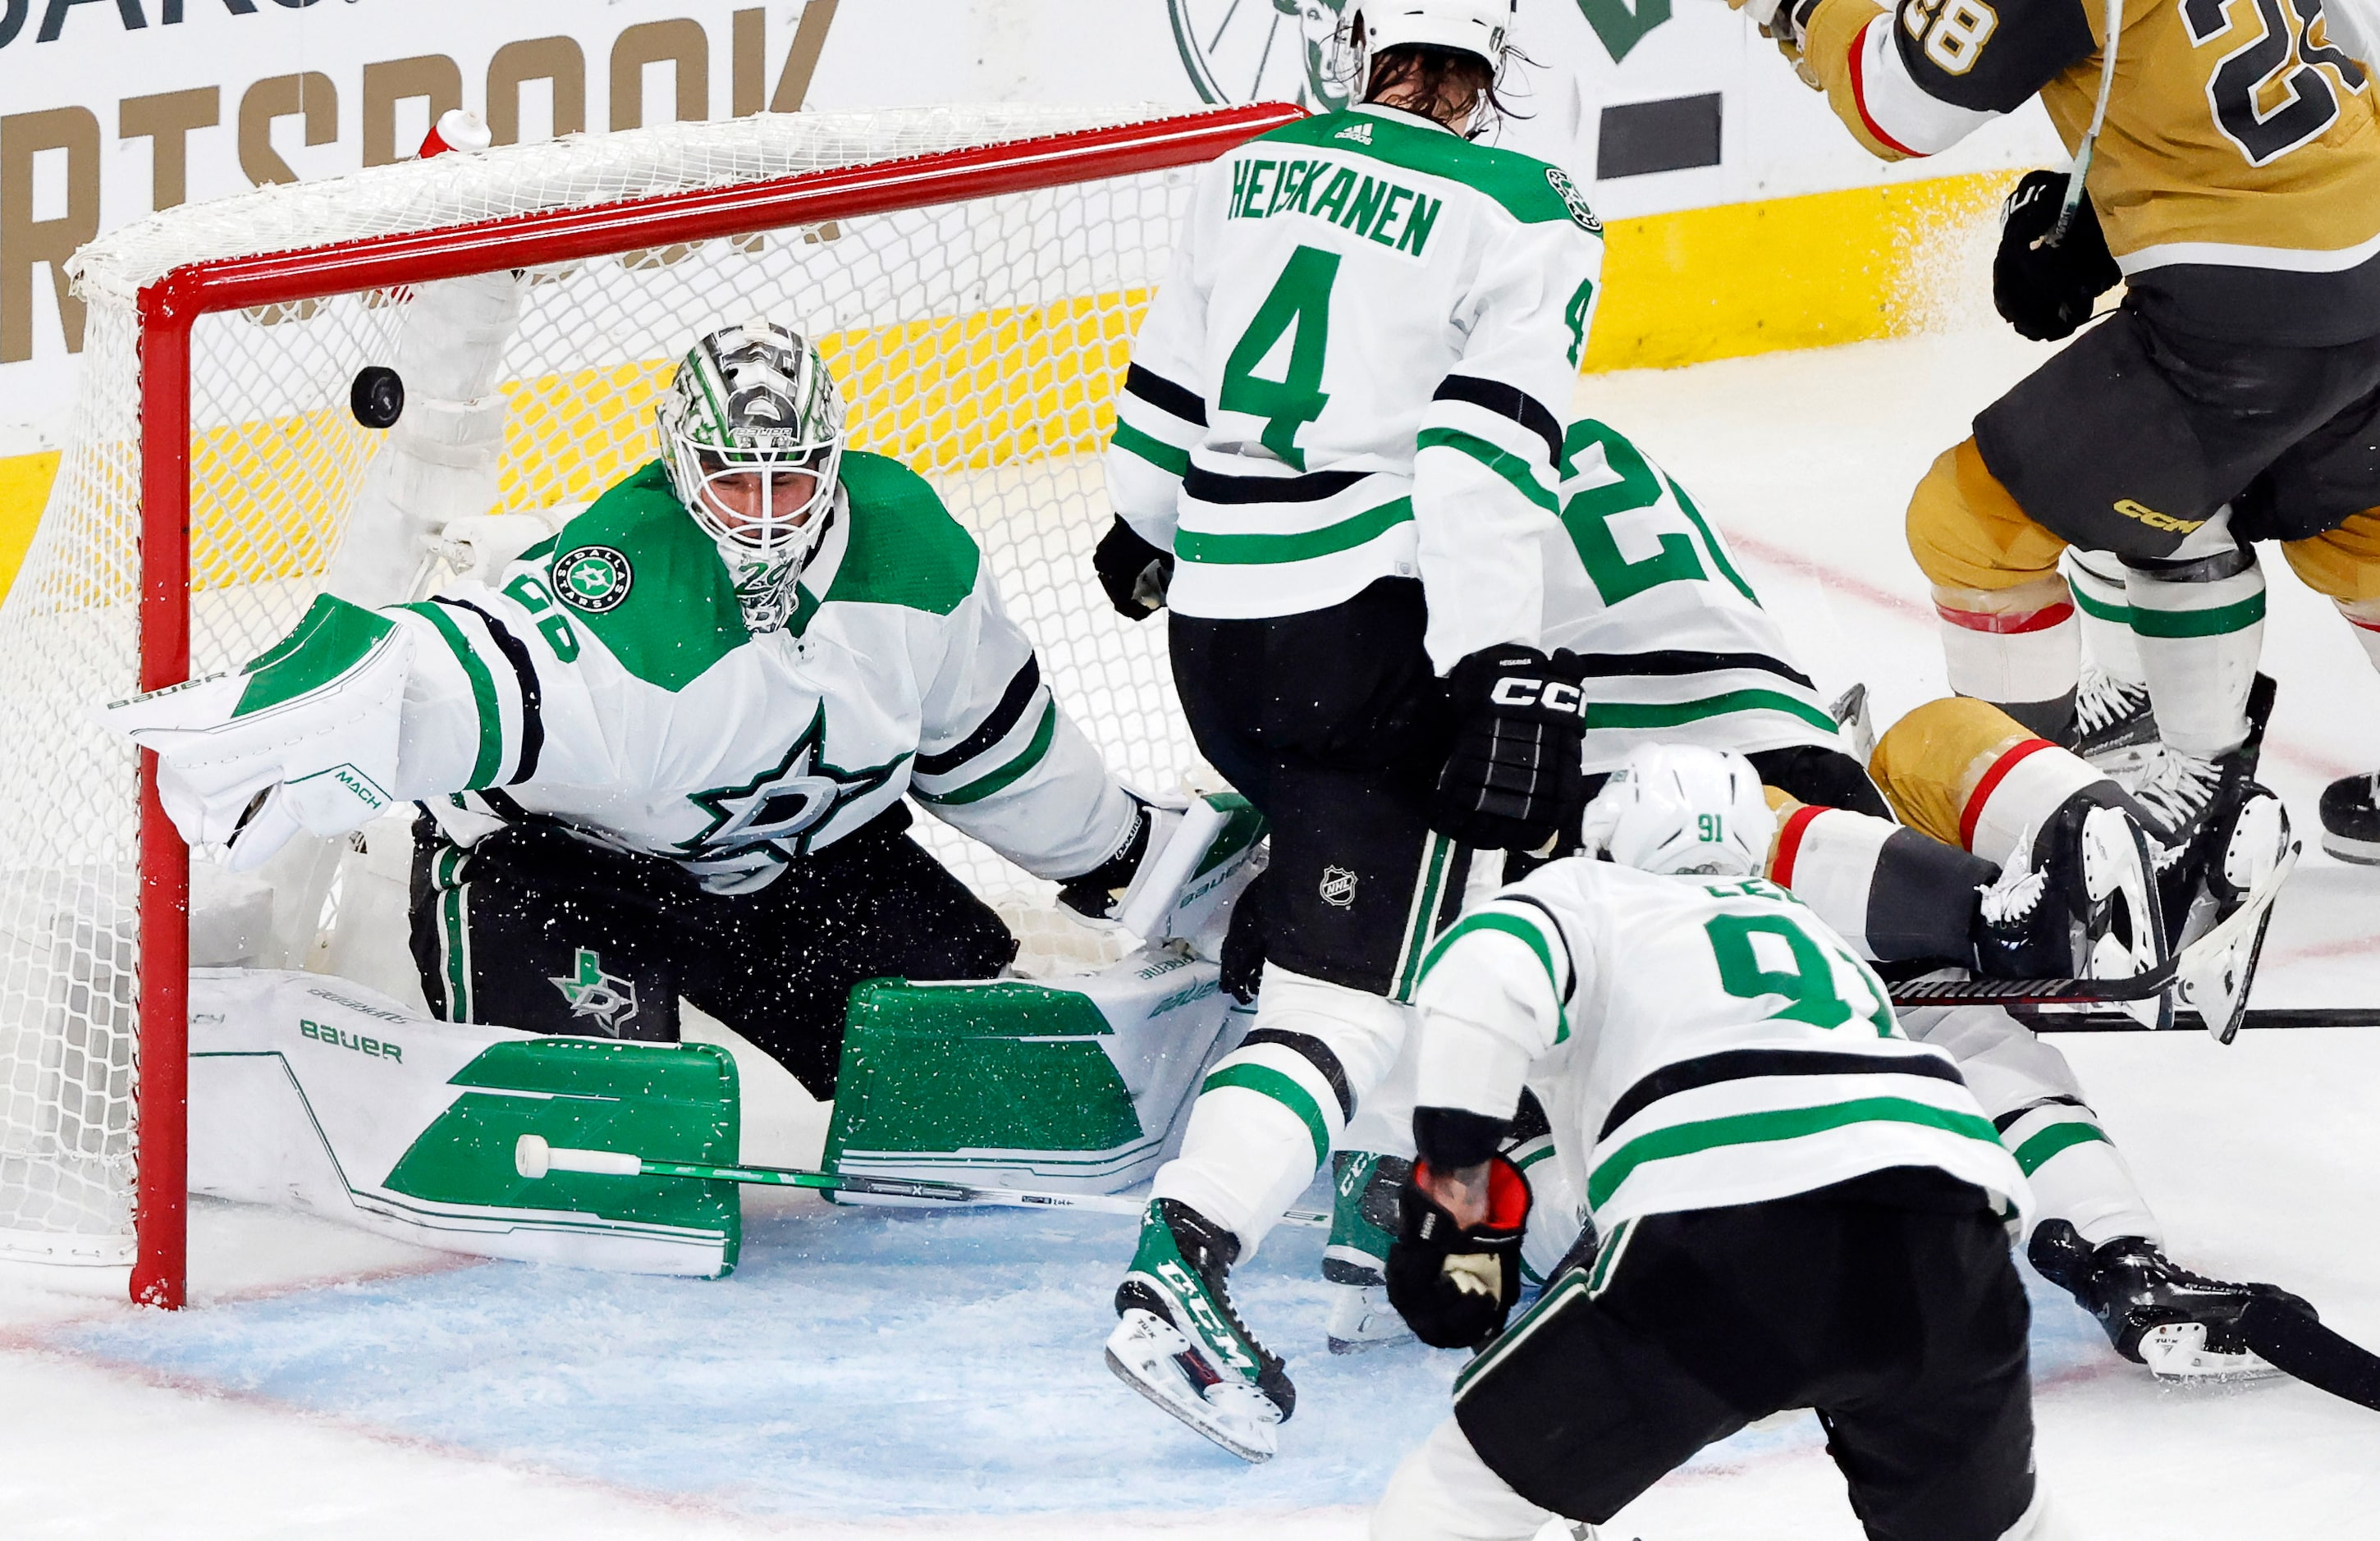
1298,309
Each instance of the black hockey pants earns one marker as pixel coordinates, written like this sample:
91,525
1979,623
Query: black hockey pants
535,929
1889,1303
1333,723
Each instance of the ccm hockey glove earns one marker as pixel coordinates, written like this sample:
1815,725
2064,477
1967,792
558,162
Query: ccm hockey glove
1513,771
1135,573
1456,1284
2042,290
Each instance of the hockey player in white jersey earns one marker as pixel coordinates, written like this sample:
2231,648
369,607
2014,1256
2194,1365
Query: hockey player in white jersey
1797,1206
665,754
1338,432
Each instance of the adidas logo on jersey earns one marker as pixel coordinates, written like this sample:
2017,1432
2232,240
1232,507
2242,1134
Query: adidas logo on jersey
1361,133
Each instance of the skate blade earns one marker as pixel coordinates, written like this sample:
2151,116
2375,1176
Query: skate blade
1147,1354
1362,1319
2214,972
2116,868
2176,1354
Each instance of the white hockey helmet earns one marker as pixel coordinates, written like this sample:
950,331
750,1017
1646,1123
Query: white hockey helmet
1479,26
1681,808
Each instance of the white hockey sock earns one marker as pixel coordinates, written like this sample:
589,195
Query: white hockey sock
2020,790
2105,608
2077,1174
1270,1109
2034,1098
1827,856
1442,1492
2199,617
2020,648
2363,618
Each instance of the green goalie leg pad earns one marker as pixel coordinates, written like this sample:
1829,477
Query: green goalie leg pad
1078,1085
312,1092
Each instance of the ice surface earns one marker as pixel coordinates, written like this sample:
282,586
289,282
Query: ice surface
870,1373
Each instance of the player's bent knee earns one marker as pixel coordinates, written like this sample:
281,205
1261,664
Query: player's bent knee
1442,1492
1927,762
1360,1033
2343,562
1966,531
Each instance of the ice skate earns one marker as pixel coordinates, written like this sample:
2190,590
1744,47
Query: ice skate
2083,905
2350,819
2181,1324
1180,1345
2114,727
1363,1223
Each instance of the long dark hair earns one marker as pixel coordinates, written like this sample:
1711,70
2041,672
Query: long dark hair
1441,82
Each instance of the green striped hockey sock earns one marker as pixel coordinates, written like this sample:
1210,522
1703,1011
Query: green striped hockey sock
2199,622
2076,1172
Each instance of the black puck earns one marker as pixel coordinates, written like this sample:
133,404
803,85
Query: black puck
377,396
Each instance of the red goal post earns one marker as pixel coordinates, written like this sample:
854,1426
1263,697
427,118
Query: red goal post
266,286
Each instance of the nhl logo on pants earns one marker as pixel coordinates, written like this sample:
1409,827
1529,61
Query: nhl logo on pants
1338,887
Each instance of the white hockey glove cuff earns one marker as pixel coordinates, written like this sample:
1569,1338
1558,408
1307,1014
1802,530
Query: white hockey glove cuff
314,723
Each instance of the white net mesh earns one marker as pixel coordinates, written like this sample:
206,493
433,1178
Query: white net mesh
980,342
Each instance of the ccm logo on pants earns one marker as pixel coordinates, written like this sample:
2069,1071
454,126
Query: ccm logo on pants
1519,691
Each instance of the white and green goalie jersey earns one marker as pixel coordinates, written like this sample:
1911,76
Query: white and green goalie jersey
1357,369
1698,1043
609,682
1676,646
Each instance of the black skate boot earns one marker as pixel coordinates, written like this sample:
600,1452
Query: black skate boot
2082,904
1181,1344
2114,727
2350,819
2224,851
2183,1325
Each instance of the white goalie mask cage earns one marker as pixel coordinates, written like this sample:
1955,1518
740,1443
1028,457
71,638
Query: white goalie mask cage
972,276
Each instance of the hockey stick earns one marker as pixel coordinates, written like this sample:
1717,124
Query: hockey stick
2116,1022
2293,1342
533,1158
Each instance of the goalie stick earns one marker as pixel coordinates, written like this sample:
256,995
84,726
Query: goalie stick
534,1157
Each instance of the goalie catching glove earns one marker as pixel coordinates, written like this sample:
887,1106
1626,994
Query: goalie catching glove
1454,1284
1514,773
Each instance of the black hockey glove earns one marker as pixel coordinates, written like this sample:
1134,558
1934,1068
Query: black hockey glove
1454,1284
1513,771
1243,960
1095,893
1135,573
2047,291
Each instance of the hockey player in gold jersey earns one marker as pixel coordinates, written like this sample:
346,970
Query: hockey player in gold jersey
2229,173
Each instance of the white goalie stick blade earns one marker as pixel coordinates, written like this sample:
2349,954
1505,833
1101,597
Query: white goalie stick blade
2177,1351
2217,970
1149,1355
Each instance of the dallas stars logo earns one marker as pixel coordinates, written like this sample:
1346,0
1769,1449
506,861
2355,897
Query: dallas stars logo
607,998
779,808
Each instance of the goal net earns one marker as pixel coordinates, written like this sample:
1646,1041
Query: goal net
973,275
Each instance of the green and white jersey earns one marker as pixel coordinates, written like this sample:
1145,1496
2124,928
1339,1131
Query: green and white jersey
1698,1043
1677,647
1354,371
609,681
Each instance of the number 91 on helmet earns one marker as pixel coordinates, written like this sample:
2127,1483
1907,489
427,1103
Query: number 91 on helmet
1680,809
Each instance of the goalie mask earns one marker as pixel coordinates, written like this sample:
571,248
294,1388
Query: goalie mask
752,435
1680,809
